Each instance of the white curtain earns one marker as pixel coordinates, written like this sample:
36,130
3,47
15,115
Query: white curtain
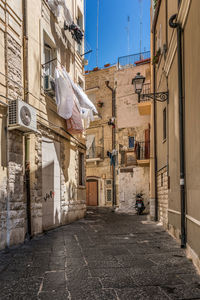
89,141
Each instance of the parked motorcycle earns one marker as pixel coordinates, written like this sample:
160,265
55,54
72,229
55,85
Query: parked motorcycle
139,204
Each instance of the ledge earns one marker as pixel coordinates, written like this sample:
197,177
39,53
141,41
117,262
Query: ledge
144,108
143,162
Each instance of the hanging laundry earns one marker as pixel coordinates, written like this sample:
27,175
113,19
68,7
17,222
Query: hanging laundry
112,158
82,97
56,6
74,124
87,116
64,95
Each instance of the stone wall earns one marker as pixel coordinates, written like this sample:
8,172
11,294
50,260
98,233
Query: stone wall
16,202
130,184
162,186
72,199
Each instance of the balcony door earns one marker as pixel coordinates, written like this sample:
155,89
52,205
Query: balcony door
147,143
92,192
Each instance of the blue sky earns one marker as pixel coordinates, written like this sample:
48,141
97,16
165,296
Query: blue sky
113,22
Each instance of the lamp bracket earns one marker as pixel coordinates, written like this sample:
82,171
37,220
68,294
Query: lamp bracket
160,96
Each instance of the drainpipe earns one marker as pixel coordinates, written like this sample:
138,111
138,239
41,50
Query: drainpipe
176,25
155,132
27,138
113,139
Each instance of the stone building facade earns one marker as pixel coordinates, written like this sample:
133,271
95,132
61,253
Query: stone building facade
119,127
133,135
41,171
175,44
99,172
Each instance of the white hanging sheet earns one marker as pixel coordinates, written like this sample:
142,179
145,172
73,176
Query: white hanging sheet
87,116
82,97
89,140
56,6
64,95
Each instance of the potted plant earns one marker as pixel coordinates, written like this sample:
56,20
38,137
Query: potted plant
156,57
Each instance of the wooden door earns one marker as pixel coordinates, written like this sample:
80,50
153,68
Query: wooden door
147,143
92,193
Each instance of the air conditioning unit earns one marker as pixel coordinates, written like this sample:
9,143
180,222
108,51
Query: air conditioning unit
49,84
22,116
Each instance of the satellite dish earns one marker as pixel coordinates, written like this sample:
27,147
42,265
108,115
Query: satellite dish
25,115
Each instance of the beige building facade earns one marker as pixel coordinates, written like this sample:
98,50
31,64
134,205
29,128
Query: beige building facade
133,133
42,177
99,171
118,141
175,40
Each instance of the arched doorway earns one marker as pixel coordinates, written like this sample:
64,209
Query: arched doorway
92,192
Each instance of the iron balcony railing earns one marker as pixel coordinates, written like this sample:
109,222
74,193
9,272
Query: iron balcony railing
133,60
146,90
95,152
142,150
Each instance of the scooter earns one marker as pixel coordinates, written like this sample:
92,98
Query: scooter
139,204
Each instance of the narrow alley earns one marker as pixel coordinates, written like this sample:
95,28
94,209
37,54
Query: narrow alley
104,256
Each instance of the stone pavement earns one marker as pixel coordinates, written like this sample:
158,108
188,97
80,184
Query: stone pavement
104,256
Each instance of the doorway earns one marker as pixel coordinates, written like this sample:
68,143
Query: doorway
92,192
50,183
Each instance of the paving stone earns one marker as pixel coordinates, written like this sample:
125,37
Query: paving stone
105,256
144,293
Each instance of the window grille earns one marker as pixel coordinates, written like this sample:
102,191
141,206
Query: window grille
109,195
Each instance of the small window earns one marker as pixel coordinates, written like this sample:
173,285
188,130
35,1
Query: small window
164,124
81,169
131,142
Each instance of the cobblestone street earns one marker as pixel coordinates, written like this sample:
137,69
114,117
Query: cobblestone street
104,256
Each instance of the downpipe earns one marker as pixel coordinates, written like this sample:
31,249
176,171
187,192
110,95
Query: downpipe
176,25
113,140
27,138
155,135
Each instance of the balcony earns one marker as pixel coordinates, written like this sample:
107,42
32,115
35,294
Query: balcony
94,154
133,60
143,153
144,104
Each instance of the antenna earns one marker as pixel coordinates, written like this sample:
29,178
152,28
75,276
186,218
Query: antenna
128,34
97,50
140,26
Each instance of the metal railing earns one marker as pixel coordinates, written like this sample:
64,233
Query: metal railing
146,90
133,60
95,152
142,150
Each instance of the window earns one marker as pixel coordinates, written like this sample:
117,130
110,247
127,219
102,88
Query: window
47,58
81,169
164,124
131,142
90,145
80,24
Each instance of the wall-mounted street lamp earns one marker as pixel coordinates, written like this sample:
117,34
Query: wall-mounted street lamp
138,83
